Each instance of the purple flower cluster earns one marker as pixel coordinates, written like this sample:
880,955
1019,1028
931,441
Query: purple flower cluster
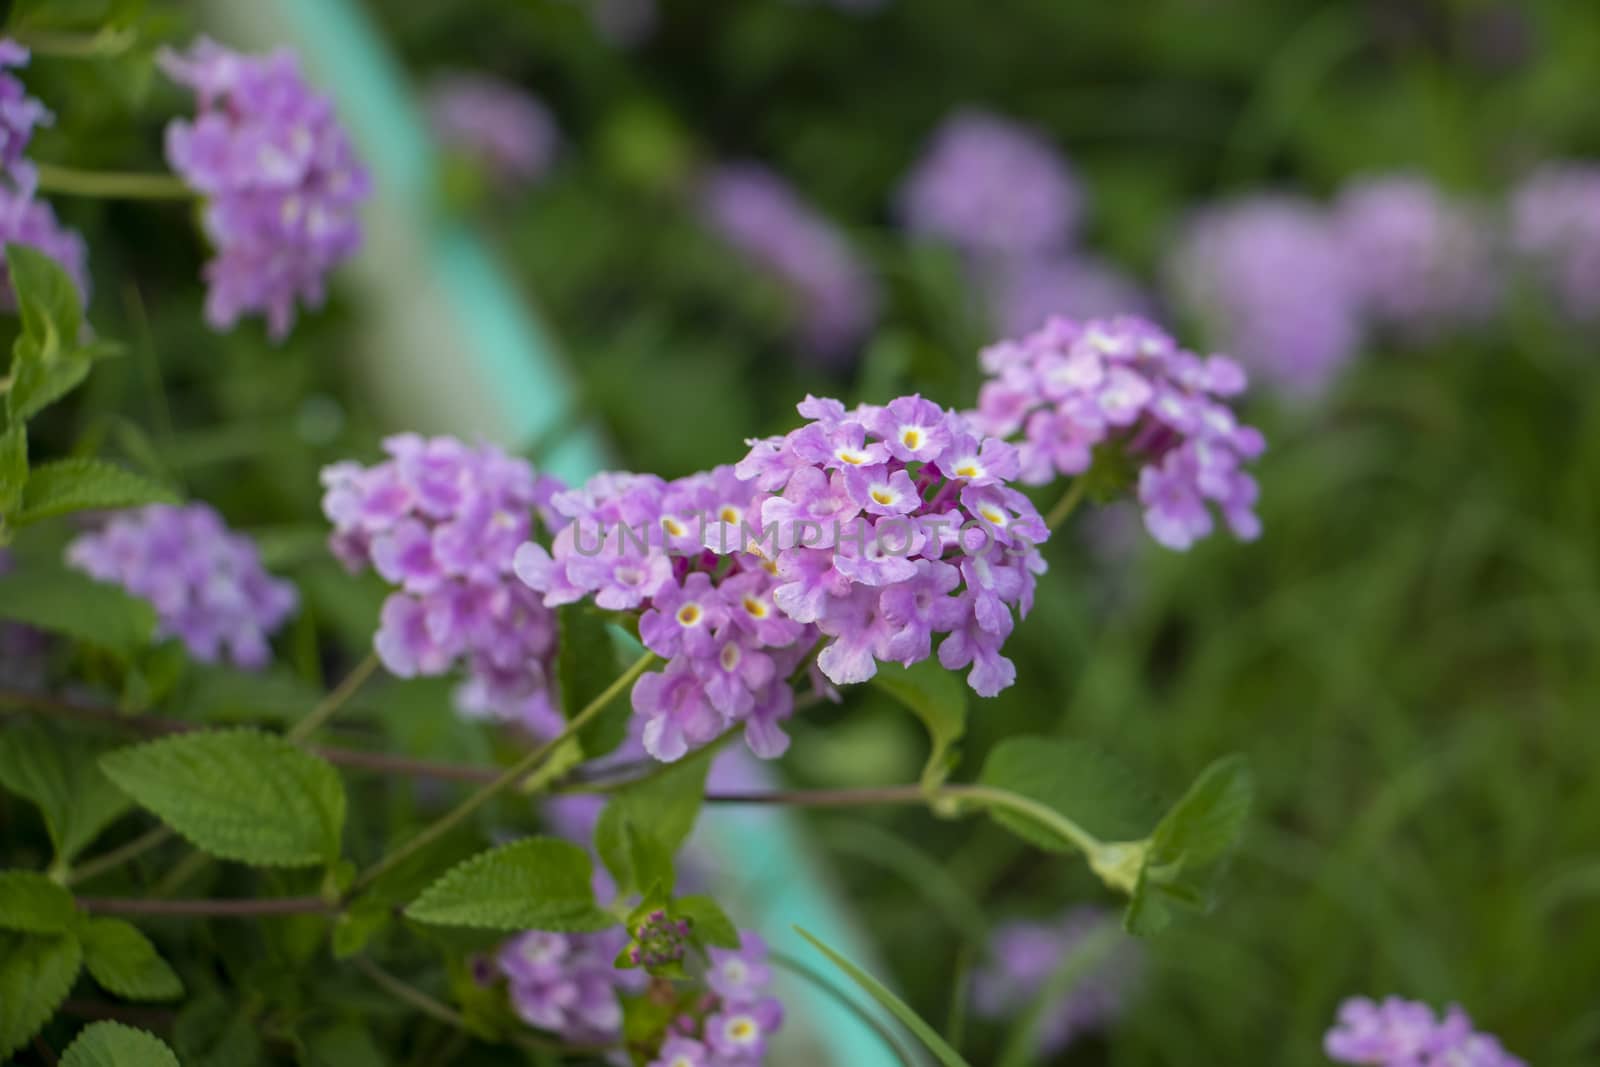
441,521
508,131
281,181
1071,388
890,525
1026,294
834,295
1423,264
990,186
1555,230
205,582
27,221
19,114
1023,956
634,542
568,984
1269,278
1406,1033
734,1021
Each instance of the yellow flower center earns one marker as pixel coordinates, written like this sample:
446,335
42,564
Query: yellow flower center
729,513
851,456
689,614
968,469
994,515
884,496
729,657
911,437
755,608
741,1029
673,527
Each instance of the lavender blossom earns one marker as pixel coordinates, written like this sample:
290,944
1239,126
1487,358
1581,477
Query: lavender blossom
568,983
19,115
890,526
1269,279
633,543
1406,1033
1024,956
280,179
833,294
991,186
26,221
1423,264
506,130
1074,389
1025,294
1555,231
205,582
441,520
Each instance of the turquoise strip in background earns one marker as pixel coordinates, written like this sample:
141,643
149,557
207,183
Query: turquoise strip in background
456,348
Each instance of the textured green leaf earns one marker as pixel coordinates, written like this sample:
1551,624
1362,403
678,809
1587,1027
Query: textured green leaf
68,603
13,467
894,1005
211,1032
535,884
60,773
36,973
124,962
708,923
238,794
106,1044
39,384
70,485
1188,851
33,904
346,1044
586,662
644,825
1077,780
937,697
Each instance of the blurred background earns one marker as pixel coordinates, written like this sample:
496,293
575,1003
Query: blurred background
705,210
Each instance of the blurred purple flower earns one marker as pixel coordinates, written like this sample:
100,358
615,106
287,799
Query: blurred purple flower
1555,230
1070,388
834,295
568,983
1422,264
1269,279
507,130
26,221
19,114
1406,1033
991,186
441,520
281,182
1024,956
1028,292
205,582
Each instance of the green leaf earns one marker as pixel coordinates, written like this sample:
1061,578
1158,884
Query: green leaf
60,773
48,301
33,904
534,884
76,606
359,924
1079,781
586,663
937,697
211,1032
1187,853
345,1044
39,384
70,485
35,975
708,923
238,794
106,1044
13,467
644,825
895,1006
124,962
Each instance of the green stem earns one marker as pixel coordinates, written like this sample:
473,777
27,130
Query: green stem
1043,814
118,856
410,994
64,45
335,700
508,778
111,185
1064,507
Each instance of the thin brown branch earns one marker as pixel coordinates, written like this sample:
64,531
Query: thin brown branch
215,909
